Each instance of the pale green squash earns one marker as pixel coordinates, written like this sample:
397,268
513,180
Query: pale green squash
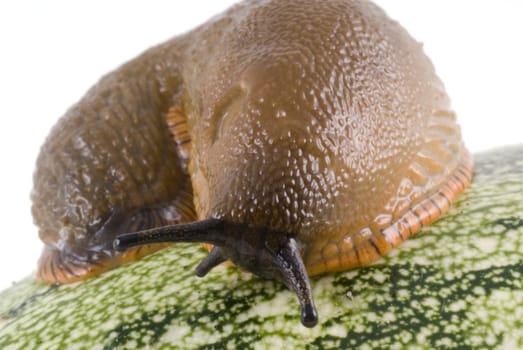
457,284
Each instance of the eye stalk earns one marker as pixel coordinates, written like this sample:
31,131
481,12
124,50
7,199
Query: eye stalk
257,249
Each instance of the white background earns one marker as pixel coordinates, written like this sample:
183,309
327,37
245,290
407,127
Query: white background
51,52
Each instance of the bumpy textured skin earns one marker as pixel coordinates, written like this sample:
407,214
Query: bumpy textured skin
109,166
320,118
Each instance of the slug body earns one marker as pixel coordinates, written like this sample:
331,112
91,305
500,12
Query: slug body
297,137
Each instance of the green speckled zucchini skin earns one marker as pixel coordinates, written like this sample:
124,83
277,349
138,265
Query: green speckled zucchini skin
457,284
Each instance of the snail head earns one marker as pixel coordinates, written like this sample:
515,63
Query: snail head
254,248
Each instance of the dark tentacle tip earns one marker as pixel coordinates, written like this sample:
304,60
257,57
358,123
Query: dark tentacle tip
309,316
117,245
125,241
214,258
200,272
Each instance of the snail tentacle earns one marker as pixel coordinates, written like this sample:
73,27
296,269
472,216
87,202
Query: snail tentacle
214,258
295,278
208,231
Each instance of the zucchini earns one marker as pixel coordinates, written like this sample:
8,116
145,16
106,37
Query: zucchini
456,284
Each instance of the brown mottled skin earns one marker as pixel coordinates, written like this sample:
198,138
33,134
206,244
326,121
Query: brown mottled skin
319,121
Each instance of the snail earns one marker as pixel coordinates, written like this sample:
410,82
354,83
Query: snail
295,137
